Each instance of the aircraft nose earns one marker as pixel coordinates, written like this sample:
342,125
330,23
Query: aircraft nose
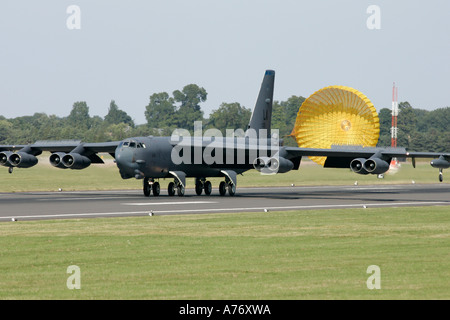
124,161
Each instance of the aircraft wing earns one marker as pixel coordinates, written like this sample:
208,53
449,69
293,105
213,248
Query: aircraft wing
65,153
363,152
366,160
64,146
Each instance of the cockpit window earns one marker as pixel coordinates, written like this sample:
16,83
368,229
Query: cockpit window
133,144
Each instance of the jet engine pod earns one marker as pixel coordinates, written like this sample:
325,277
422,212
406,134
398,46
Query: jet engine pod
260,163
4,156
272,165
266,165
440,163
22,160
357,166
376,166
76,161
56,160
285,165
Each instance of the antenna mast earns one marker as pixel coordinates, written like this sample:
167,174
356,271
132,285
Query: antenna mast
394,116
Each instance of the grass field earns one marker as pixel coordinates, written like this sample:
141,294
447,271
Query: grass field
277,255
44,177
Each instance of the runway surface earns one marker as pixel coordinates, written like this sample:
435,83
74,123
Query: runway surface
89,204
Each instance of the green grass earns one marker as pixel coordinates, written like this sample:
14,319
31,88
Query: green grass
277,255
43,177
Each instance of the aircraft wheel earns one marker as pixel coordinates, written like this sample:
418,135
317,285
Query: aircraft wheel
156,189
171,189
222,188
198,188
147,187
441,177
208,188
231,189
180,190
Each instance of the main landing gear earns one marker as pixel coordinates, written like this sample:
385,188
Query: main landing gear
201,184
227,185
224,186
151,186
177,187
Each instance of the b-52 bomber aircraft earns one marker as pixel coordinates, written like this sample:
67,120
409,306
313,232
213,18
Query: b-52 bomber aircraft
181,156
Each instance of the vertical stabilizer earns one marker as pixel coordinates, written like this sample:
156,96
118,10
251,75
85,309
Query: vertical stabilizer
262,114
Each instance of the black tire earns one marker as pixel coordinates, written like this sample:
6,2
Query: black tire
147,188
171,189
231,189
222,188
198,188
208,188
180,191
156,189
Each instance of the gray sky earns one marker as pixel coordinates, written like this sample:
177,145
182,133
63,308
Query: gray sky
127,50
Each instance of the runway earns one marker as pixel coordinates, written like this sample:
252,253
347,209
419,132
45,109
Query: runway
90,204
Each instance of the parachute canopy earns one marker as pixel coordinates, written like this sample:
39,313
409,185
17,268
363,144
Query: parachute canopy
336,115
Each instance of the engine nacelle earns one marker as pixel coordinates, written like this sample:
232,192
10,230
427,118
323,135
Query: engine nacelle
376,166
76,161
261,163
284,165
440,163
272,165
22,160
357,166
4,156
56,160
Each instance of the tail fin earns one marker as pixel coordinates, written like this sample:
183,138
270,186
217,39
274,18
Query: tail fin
262,114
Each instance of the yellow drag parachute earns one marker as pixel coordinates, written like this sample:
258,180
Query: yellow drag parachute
336,115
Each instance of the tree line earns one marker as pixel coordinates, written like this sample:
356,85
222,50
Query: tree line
418,130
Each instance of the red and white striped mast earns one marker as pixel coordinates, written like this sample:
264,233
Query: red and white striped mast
394,129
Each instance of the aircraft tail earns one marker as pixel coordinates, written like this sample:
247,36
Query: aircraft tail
262,114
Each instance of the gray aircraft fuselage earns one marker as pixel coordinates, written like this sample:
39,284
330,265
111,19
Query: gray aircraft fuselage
153,157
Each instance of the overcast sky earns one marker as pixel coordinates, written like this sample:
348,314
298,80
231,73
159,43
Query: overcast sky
127,50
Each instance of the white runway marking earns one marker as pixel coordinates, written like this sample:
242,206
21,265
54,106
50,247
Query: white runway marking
81,198
337,206
164,203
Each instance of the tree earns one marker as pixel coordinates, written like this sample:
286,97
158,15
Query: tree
116,116
385,116
5,131
406,124
229,116
284,114
79,116
119,131
189,111
160,112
